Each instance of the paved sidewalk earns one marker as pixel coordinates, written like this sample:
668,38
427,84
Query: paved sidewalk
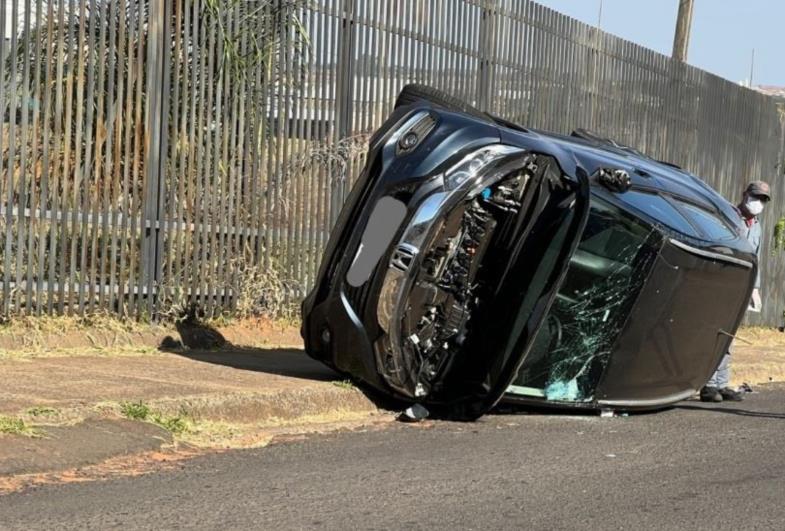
213,382
72,399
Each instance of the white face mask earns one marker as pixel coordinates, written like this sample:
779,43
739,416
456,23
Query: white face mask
754,206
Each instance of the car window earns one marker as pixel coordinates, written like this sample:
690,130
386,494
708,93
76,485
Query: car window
658,208
709,223
608,269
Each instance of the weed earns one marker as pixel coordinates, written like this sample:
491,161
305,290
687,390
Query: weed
17,426
41,411
140,411
343,384
175,425
260,291
135,410
778,243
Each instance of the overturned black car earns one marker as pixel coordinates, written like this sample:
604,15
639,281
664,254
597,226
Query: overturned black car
476,260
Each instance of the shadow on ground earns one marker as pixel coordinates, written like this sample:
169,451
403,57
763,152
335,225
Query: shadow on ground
206,344
201,342
733,411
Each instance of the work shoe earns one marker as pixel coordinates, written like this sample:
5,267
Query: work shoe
711,394
729,394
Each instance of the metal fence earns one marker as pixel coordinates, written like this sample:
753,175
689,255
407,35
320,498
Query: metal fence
160,152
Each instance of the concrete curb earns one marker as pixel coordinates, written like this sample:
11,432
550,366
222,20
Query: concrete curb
92,434
268,408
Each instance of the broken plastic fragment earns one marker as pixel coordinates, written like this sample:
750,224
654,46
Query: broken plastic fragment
414,413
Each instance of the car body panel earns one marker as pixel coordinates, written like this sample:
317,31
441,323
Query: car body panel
456,346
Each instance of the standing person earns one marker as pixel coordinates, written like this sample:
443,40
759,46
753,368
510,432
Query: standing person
752,204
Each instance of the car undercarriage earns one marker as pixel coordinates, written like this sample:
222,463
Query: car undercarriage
477,261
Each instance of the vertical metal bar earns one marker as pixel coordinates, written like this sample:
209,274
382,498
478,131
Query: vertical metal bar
323,117
24,223
127,239
5,89
104,283
217,226
76,173
345,98
11,162
259,115
284,175
233,149
299,148
46,228
196,153
86,172
136,200
114,285
153,124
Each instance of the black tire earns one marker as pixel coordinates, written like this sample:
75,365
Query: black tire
411,94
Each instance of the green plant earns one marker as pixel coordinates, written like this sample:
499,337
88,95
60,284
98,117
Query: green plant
41,411
778,244
175,425
255,40
17,426
140,411
135,410
343,384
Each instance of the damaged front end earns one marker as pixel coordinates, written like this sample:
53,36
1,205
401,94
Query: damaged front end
430,286
476,260
448,231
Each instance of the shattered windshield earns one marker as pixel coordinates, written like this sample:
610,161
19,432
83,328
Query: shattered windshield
605,274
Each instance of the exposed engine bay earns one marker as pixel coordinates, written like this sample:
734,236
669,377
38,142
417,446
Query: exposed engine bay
443,296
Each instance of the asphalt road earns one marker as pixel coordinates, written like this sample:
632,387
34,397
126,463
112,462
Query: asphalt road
691,467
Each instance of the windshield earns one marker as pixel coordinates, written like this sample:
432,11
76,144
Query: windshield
603,280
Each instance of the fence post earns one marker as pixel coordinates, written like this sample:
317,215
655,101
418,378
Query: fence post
156,113
344,91
487,51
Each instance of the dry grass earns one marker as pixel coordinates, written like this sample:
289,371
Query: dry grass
261,291
222,435
105,334
33,331
759,357
760,336
119,351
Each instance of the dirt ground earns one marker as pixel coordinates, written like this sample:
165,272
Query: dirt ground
35,337
758,356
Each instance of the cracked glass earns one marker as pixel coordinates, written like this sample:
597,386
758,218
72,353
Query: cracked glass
605,275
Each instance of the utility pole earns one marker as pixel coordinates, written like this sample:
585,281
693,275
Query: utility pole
599,17
681,39
752,66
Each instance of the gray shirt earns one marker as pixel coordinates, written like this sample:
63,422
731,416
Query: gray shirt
754,235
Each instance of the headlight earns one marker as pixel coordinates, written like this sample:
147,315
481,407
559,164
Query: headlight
467,170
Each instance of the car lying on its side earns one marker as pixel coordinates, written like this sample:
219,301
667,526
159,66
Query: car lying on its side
476,260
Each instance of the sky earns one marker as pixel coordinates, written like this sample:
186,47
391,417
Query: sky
724,32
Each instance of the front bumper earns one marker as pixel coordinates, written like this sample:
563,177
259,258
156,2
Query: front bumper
340,324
